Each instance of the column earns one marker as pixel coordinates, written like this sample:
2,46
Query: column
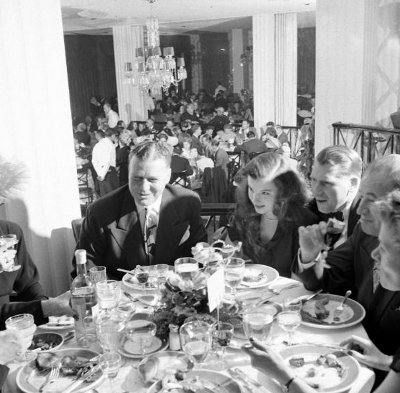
37,134
131,101
263,68
237,49
196,60
286,69
275,68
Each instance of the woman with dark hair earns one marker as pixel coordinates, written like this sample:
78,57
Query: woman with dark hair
270,207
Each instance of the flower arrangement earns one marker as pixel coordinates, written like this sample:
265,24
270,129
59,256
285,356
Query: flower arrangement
12,175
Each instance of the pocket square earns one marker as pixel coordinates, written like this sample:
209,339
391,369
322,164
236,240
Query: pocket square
185,236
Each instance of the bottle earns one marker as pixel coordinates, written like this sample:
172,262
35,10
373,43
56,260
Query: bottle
174,340
83,298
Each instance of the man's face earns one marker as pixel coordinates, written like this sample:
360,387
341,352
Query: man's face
245,124
149,123
106,108
387,255
331,190
372,188
170,124
190,109
147,179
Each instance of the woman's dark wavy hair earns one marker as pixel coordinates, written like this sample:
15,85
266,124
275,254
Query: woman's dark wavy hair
291,196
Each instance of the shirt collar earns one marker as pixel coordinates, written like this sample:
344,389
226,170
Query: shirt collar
154,207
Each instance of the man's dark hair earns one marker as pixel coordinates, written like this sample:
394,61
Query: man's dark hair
251,134
150,150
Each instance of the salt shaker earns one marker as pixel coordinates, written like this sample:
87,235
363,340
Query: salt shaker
174,340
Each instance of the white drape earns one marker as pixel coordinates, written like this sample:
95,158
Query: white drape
36,130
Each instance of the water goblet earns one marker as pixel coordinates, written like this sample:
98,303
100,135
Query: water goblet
110,363
23,327
186,268
141,332
97,274
196,339
108,294
234,273
257,323
110,332
222,336
289,321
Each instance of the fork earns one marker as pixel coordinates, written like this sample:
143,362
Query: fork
54,374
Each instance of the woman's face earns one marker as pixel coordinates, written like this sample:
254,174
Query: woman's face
387,255
186,145
262,194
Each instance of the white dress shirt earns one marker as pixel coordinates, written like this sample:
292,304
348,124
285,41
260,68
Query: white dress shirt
112,118
154,208
103,156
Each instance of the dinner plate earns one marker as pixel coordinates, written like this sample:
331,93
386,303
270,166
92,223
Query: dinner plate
29,380
154,367
353,313
258,276
131,349
131,281
327,378
269,384
58,323
212,381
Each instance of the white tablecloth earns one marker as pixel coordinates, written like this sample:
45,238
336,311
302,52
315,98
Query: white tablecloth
127,379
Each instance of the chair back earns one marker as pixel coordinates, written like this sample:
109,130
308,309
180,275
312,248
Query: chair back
76,228
179,179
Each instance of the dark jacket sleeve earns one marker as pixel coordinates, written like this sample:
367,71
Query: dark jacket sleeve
3,374
13,308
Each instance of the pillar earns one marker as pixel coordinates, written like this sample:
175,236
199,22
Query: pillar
131,101
237,49
196,61
37,134
275,68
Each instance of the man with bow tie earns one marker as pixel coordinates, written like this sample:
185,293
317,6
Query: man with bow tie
350,265
146,222
335,179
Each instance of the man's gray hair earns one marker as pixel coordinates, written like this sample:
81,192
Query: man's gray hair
387,170
150,150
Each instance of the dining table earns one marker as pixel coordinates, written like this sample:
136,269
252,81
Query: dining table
129,380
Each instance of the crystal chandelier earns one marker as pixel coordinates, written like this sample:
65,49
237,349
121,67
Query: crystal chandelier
154,72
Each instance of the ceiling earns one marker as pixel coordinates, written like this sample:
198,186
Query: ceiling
177,16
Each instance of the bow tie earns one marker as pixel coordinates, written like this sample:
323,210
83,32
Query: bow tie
338,215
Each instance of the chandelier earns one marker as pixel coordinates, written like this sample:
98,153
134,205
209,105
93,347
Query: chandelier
155,72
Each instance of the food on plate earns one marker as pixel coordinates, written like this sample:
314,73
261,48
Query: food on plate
63,320
179,383
46,360
253,277
296,361
321,311
320,373
45,341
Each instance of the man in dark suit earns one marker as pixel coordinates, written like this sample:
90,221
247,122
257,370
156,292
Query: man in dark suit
252,146
149,222
335,180
351,265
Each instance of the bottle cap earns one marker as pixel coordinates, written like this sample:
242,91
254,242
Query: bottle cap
80,257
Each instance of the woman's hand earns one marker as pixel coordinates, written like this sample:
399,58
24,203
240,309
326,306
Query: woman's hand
367,353
268,361
311,240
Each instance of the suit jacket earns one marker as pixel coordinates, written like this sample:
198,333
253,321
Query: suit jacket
353,215
351,268
3,374
112,235
196,144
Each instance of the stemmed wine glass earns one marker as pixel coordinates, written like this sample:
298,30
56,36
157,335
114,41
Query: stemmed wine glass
222,336
234,273
142,332
97,274
290,318
110,363
110,332
196,339
23,327
108,294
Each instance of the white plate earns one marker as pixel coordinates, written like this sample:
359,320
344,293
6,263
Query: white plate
29,381
326,376
258,276
130,349
59,323
213,382
131,282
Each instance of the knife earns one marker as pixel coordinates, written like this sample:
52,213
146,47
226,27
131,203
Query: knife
81,380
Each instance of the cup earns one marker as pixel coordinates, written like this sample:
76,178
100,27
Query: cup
98,273
108,294
23,327
186,268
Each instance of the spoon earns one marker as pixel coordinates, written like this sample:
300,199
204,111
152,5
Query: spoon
339,308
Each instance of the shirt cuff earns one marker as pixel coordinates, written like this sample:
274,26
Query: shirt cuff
305,266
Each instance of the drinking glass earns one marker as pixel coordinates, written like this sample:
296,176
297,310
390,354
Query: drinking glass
289,321
186,268
142,275
161,271
257,323
196,339
222,336
23,327
98,273
110,363
9,263
234,273
141,332
108,294
110,332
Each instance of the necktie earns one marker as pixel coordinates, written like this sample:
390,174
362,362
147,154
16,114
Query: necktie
150,228
332,238
338,215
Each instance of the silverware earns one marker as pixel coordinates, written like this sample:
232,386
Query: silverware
53,375
130,296
339,309
312,296
278,291
69,336
126,271
82,379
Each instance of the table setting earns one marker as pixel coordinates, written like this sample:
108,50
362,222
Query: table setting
173,329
